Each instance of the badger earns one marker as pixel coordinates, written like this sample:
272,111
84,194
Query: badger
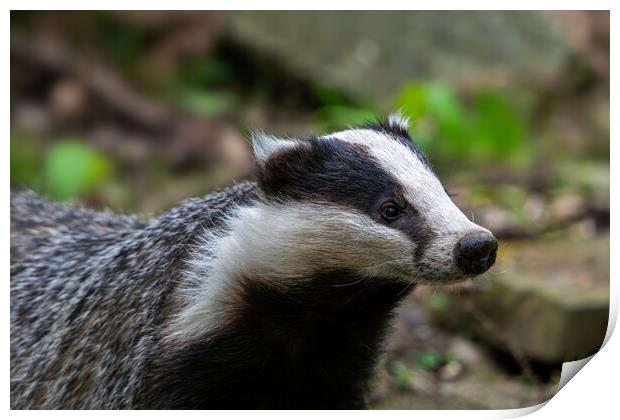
276,293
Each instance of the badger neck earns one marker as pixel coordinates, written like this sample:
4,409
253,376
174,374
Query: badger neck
265,259
317,332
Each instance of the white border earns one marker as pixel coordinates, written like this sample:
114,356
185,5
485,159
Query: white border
592,394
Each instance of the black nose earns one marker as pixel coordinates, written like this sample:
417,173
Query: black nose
475,253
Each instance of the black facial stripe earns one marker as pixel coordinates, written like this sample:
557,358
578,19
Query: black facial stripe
399,134
423,237
385,127
327,170
341,173
420,233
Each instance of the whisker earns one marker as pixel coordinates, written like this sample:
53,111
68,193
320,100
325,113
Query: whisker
348,284
406,288
399,260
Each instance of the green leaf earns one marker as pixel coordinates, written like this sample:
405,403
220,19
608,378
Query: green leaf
72,168
452,122
499,131
489,130
206,103
401,375
429,360
445,106
413,100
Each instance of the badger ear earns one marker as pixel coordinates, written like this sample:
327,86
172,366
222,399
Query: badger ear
264,145
398,121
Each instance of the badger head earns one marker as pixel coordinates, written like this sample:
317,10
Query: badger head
365,200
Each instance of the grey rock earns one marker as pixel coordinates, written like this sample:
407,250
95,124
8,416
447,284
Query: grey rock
370,54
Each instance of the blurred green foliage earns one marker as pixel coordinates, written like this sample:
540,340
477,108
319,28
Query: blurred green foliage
488,129
25,162
508,196
67,169
585,178
476,129
205,103
73,168
121,42
401,375
337,117
202,86
337,112
206,71
430,360
483,129
439,302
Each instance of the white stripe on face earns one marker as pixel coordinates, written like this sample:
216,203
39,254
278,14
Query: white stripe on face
423,190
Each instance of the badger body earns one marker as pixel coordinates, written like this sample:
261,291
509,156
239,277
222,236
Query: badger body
89,294
275,294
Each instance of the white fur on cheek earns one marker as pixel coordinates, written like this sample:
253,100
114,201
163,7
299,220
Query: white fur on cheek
282,245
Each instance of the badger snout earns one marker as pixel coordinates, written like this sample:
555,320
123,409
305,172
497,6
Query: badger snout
475,252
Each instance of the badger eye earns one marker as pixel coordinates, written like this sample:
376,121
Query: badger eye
390,212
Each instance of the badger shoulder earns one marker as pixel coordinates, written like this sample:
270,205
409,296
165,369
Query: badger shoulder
86,284
31,211
35,219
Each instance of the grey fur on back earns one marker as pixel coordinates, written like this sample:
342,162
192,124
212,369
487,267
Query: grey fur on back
88,293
